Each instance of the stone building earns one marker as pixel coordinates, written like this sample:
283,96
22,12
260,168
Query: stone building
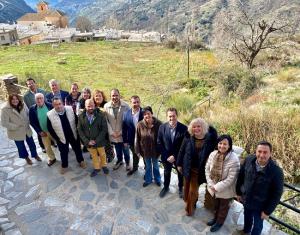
45,17
8,36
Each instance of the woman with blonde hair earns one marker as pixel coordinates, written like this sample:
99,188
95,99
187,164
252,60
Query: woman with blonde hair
14,117
195,149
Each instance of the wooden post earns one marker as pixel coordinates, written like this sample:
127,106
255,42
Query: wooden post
188,59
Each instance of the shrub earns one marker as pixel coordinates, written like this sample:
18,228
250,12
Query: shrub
171,43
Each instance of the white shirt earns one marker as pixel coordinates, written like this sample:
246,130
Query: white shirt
135,117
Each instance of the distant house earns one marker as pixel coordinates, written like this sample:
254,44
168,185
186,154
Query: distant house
45,17
8,36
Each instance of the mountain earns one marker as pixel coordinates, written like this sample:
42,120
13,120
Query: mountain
172,16
11,10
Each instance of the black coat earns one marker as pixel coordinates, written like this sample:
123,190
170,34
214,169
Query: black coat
33,117
164,141
188,151
260,190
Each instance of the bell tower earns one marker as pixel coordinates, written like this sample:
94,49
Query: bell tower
42,6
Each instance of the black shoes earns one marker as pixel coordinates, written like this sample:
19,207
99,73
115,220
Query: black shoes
51,162
131,172
158,184
180,193
211,222
105,170
44,150
145,184
118,164
215,227
94,173
163,192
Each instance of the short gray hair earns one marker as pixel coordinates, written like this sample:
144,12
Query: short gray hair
200,122
39,95
53,81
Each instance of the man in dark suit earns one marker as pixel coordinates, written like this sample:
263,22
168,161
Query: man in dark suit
130,120
56,92
170,137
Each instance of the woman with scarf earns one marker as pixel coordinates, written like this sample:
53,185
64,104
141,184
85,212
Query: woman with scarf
221,172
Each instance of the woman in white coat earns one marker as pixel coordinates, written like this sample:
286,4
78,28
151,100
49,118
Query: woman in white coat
221,173
14,117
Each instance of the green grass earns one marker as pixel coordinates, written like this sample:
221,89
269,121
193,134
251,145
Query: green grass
148,70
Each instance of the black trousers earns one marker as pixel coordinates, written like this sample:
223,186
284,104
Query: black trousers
64,151
167,175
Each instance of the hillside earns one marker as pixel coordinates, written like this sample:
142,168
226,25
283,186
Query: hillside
11,10
171,15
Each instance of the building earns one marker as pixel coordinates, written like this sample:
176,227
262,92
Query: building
44,18
8,36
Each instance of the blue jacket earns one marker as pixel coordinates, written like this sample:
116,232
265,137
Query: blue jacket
63,94
128,128
164,141
33,117
261,191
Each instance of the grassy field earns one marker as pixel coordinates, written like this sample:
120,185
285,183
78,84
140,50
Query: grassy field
144,69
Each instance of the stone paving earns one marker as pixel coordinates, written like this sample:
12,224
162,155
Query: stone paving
39,200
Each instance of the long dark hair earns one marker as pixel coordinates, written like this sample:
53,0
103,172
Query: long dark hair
20,105
228,138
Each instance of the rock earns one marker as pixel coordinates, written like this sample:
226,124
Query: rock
13,232
32,180
107,229
87,196
145,225
21,177
134,184
73,189
161,217
34,192
13,194
54,183
199,226
53,202
114,184
266,228
34,215
3,211
77,178
124,195
3,220
175,229
84,185
24,208
15,172
7,226
5,163
3,201
6,169
19,162
154,231
102,183
40,228
138,202
72,209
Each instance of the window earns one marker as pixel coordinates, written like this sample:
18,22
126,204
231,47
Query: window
2,38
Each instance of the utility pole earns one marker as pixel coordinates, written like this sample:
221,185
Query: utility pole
188,56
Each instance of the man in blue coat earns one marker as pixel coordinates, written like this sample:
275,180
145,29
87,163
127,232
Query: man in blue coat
130,120
170,137
56,92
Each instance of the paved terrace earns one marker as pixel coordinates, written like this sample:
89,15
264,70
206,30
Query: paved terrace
38,200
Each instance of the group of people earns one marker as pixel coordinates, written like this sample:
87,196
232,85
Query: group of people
88,122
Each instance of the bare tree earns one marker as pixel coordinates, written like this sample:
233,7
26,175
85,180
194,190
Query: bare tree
83,24
246,36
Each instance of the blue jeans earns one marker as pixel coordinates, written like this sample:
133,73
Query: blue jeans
251,216
22,149
120,149
152,162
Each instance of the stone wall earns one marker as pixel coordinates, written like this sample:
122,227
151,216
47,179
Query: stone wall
7,87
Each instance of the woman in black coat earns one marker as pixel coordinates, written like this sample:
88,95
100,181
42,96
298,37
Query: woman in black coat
192,157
